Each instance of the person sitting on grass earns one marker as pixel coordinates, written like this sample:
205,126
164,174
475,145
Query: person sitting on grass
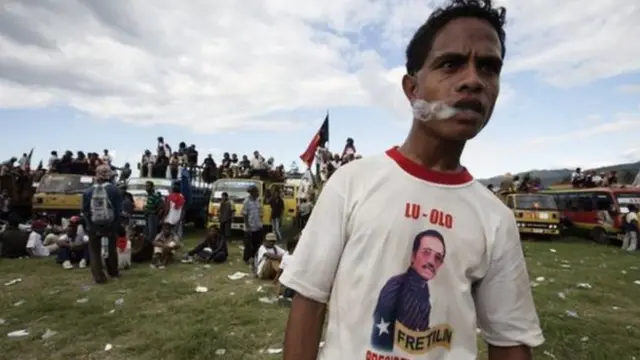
164,246
141,247
73,248
212,249
287,293
35,246
268,258
13,241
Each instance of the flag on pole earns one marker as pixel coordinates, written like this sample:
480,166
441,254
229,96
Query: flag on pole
27,160
318,140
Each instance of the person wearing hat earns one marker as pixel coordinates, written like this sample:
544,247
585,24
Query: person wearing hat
73,247
102,208
252,213
268,258
35,246
164,246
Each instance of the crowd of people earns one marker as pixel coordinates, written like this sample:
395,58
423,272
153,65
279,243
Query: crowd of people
166,163
80,241
329,162
579,179
107,207
591,179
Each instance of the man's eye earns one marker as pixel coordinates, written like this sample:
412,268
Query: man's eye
447,65
490,68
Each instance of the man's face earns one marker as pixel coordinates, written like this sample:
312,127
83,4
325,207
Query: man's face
462,68
71,230
428,258
269,244
149,188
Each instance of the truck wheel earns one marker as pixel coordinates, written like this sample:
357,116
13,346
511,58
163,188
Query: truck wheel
600,236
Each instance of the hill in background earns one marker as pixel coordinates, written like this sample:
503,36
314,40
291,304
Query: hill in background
626,173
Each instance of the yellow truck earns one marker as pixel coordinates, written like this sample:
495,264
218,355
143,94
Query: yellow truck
237,190
536,214
60,195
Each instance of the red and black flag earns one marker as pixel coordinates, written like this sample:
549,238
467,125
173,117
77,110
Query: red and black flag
319,140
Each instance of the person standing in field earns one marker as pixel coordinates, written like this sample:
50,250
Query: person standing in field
411,253
102,208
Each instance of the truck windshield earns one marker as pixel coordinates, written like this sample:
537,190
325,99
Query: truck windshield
64,184
161,185
237,189
535,202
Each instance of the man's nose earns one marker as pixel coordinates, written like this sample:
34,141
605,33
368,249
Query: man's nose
471,81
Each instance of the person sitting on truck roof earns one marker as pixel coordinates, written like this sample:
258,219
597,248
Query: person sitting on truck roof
159,169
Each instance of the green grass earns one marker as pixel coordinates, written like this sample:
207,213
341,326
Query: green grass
162,316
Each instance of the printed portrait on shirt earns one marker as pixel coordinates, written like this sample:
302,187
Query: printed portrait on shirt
401,315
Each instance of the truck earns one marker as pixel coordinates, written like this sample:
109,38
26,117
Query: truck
237,188
196,192
59,196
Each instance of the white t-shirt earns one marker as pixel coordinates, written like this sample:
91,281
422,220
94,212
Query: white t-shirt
257,163
78,240
285,259
260,259
357,253
35,244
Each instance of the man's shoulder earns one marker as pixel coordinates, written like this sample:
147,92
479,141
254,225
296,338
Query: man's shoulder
488,200
361,171
395,280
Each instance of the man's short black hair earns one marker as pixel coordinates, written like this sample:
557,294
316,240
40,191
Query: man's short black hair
428,233
422,41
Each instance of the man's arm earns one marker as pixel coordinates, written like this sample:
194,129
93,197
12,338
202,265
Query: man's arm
521,352
312,268
116,202
504,303
86,204
245,214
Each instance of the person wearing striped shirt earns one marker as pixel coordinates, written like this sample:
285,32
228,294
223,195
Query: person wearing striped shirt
152,209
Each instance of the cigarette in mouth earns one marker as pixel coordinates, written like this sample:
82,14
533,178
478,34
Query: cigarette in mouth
435,110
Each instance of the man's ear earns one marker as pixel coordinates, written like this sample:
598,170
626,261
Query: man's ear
410,87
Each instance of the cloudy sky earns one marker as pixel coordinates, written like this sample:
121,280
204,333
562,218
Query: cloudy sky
237,76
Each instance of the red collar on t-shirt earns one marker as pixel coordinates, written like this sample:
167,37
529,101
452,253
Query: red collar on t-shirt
419,171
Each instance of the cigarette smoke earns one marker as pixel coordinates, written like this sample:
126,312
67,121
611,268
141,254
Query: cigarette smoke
426,111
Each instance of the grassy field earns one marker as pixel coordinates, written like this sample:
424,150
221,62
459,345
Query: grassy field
157,314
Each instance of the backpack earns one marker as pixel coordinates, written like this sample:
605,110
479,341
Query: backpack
101,207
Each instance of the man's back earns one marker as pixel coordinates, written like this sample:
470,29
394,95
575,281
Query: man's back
365,230
114,196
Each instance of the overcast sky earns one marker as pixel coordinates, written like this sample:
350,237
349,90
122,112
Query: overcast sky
237,76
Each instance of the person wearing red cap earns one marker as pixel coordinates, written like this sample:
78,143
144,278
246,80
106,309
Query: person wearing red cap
73,248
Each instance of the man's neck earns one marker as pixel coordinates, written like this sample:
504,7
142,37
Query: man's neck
431,152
